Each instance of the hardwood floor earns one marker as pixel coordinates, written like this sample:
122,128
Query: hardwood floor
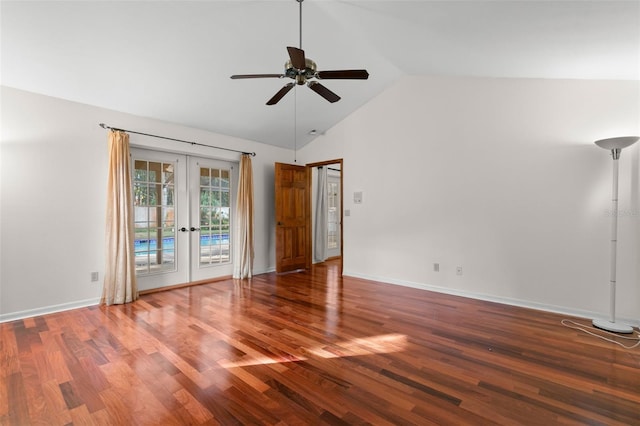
311,348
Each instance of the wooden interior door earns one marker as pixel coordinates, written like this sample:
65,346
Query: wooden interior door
292,218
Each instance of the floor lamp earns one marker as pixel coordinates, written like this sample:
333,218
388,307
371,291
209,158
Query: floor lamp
615,145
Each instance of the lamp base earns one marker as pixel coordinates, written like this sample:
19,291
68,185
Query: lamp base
614,327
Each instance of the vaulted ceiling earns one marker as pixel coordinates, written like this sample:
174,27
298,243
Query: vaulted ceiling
171,60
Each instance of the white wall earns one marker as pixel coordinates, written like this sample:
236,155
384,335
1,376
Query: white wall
498,176
53,163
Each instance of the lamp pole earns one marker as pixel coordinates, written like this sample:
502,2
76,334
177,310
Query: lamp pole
615,145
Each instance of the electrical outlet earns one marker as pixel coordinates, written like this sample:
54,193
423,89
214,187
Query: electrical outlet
459,270
94,277
436,267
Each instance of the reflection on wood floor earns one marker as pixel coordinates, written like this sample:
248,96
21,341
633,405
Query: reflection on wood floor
311,348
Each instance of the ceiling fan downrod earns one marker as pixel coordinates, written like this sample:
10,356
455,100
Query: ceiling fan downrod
300,1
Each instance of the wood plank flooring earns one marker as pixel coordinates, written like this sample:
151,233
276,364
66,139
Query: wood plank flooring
310,348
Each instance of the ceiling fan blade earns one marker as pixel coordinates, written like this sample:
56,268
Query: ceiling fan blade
238,76
323,91
297,58
280,94
343,74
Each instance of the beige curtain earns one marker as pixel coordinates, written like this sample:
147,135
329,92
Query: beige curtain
243,264
120,272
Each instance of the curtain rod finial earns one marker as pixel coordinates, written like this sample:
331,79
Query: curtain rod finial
104,126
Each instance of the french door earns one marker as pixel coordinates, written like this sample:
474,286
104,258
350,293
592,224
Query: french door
183,217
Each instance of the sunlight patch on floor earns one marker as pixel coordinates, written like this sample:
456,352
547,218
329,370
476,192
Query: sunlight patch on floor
381,344
384,343
258,361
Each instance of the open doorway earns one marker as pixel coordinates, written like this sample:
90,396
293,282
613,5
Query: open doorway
326,207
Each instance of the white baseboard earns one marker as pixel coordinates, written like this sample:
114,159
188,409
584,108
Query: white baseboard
45,310
497,299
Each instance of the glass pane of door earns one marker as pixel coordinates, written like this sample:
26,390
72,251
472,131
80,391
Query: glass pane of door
159,196
154,216
215,207
212,197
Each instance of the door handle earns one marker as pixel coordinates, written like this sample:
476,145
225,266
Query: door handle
183,229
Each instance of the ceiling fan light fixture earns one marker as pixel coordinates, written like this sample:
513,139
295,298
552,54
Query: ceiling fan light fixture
309,70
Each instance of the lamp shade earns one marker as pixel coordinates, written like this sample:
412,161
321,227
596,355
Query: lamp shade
617,143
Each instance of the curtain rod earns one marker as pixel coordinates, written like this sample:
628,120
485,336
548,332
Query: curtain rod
104,126
330,168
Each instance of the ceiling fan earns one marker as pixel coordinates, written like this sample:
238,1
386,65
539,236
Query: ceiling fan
303,70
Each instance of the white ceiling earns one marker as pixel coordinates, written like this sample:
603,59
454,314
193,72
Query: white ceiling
171,60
